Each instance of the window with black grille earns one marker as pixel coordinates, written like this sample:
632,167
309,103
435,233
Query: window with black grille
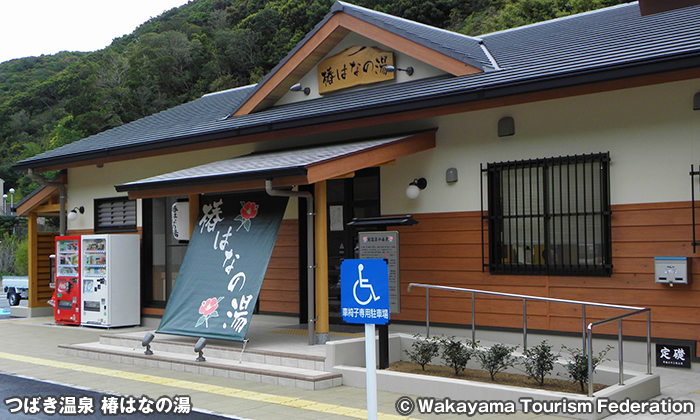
550,216
115,215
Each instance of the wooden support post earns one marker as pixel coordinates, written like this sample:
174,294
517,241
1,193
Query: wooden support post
194,211
33,261
321,251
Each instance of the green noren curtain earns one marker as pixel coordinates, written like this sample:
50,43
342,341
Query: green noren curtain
222,272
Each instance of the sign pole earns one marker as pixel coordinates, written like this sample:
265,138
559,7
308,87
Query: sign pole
364,299
371,369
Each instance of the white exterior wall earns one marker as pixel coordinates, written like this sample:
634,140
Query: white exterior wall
652,134
90,182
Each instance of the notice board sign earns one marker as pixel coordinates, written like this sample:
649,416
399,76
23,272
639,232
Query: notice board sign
385,246
673,355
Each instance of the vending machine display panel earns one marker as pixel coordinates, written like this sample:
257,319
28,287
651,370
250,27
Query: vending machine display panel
67,295
111,280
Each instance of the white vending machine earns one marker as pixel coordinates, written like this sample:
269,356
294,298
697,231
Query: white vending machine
111,273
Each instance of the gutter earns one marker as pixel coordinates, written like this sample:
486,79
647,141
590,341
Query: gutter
309,249
62,194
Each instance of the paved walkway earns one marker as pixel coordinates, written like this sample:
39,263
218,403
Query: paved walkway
29,348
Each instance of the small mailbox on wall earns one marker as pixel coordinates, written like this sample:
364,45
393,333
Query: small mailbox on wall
672,270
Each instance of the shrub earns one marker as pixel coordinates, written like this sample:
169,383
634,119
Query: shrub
456,353
21,266
539,361
496,359
8,249
577,366
423,351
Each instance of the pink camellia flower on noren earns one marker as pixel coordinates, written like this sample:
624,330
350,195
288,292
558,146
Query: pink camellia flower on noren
249,210
208,306
208,310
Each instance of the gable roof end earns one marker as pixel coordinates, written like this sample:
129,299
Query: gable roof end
451,52
464,48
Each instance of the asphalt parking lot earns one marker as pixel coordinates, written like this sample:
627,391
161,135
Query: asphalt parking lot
45,400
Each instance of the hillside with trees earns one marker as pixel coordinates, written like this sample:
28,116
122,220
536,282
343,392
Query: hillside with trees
201,47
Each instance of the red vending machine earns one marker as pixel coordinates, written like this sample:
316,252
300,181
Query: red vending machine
66,307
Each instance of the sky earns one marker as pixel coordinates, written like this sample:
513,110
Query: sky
36,27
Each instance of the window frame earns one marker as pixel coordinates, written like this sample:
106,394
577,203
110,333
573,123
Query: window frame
548,219
114,229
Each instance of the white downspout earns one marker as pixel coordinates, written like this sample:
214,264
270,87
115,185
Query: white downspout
309,249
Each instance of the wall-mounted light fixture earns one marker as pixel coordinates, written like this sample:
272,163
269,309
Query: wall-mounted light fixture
506,127
146,342
414,188
299,88
696,102
73,214
199,348
391,69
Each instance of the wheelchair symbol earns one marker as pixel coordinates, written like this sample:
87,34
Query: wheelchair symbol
364,284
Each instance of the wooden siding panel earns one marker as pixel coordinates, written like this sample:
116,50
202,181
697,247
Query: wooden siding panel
653,217
280,288
651,249
44,248
445,249
652,233
410,237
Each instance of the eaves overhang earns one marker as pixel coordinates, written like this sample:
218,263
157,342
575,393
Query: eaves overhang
220,179
300,166
508,85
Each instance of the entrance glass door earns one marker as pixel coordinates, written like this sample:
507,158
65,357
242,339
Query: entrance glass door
347,199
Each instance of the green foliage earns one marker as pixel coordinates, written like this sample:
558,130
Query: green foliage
200,47
577,365
539,361
21,262
499,15
497,359
9,244
456,353
423,351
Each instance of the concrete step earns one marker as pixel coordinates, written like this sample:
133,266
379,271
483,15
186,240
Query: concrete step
185,345
177,353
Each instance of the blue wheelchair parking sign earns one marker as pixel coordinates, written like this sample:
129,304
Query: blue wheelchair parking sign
364,291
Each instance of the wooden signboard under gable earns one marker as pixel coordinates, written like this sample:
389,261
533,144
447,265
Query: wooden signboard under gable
353,67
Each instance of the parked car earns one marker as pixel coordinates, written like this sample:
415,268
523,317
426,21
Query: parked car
17,288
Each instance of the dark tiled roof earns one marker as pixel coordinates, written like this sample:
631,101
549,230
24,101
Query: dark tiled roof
180,121
600,45
594,39
461,47
259,164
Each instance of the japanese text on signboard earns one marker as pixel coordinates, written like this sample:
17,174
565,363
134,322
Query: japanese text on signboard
354,66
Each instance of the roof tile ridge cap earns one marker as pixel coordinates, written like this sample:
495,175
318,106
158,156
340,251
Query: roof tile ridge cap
361,9
237,88
559,19
339,6
491,58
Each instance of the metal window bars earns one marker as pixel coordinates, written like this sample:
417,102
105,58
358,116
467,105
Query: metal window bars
587,329
693,174
548,216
